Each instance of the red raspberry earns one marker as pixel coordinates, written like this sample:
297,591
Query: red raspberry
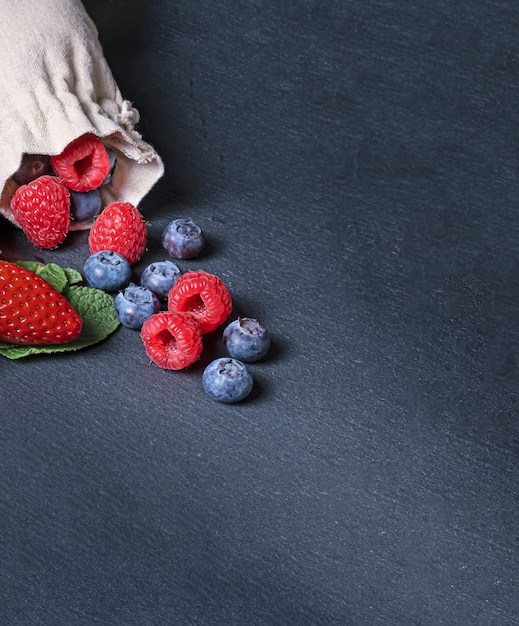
84,164
172,340
204,296
32,312
42,209
120,228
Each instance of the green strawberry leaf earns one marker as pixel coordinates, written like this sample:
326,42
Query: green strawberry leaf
95,307
52,273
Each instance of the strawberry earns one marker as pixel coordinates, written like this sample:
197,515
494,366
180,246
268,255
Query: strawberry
32,311
120,228
84,163
42,209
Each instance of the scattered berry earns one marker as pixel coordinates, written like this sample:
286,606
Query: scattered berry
83,164
121,228
246,339
204,296
134,305
32,311
107,270
85,205
42,209
160,277
172,340
183,239
227,380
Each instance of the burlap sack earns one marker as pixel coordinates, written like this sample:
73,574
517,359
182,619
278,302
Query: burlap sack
55,85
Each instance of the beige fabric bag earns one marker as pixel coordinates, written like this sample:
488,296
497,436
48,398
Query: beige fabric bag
55,85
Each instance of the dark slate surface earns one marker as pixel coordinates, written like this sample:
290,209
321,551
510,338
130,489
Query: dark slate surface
355,167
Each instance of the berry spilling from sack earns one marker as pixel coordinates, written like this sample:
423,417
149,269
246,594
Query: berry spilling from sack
120,228
57,189
42,208
173,310
84,164
85,205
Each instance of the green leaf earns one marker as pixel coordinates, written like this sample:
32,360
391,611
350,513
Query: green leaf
97,310
73,276
52,273
95,307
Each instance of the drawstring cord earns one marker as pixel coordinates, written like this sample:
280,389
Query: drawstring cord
128,116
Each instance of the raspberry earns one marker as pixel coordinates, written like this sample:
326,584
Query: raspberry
172,340
84,163
120,228
42,209
204,296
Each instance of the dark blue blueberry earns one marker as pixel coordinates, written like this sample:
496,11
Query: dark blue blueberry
111,158
134,305
183,239
159,277
85,205
107,270
227,380
246,339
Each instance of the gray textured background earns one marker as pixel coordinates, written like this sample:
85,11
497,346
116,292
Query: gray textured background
354,165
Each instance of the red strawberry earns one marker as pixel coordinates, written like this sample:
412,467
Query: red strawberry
172,340
42,208
84,164
204,296
32,311
120,228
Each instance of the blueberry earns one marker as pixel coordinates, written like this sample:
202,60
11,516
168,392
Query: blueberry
227,380
159,277
134,305
111,158
85,205
107,270
246,339
183,239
